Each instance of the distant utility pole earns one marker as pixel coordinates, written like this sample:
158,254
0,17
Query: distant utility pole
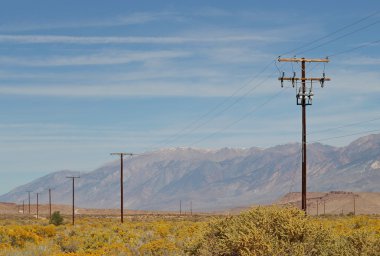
49,203
23,207
29,201
180,207
191,207
304,98
121,183
317,207
37,205
73,178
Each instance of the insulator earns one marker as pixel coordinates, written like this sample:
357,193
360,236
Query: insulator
282,79
293,78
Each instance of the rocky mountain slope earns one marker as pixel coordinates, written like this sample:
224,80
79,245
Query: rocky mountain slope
216,179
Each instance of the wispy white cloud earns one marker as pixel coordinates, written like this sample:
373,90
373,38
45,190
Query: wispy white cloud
147,89
361,60
105,58
61,39
136,18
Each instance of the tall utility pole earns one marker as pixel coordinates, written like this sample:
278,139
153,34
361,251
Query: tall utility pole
73,178
23,207
304,98
121,182
37,205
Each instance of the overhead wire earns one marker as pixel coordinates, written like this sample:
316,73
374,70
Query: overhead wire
343,136
340,37
354,48
230,105
344,126
240,119
190,128
331,34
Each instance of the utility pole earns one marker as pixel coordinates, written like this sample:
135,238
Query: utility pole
317,207
73,178
304,98
50,203
37,205
23,207
121,183
29,201
180,207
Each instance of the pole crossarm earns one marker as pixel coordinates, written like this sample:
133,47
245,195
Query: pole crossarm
303,79
122,154
302,60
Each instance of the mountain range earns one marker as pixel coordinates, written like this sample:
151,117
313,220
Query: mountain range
214,180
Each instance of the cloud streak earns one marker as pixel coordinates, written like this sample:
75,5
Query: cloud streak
62,39
106,58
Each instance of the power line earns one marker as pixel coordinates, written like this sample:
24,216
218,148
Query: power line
340,37
230,105
343,136
332,33
346,125
325,43
355,48
238,120
192,126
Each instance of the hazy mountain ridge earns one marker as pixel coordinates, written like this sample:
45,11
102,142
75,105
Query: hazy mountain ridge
216,179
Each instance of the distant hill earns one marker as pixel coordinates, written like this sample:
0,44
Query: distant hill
216,179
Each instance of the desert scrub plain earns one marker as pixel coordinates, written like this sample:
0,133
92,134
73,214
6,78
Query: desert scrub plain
259,231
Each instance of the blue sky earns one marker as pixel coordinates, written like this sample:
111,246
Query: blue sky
81,79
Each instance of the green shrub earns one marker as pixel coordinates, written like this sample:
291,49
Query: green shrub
56,218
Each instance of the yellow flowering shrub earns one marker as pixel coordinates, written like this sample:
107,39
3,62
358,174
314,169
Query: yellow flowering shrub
259,231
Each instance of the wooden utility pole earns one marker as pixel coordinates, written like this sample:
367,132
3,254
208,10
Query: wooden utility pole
317,207
23,207
37,205
304,98
121,183
29,201
73,211
50,203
